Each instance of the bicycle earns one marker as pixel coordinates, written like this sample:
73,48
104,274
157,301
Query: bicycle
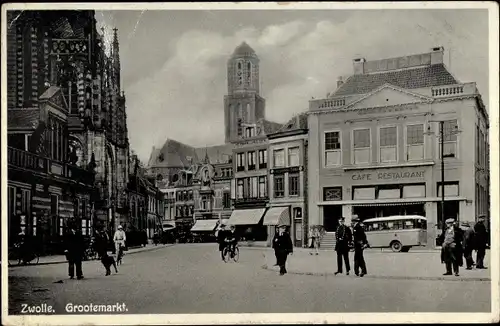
16,257
119,256
228,252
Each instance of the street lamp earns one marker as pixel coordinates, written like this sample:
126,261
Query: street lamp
443,156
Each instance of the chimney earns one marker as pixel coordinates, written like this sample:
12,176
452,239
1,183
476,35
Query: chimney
339,81
359,66
437,54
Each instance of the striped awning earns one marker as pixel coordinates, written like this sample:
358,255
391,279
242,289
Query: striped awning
204,226
389,204
277,216
246,216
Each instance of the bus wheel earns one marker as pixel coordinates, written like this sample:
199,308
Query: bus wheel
405,249
396,246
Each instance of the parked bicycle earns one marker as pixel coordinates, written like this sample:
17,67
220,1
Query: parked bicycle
20,256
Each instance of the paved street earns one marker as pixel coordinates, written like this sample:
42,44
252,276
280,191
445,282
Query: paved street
191,278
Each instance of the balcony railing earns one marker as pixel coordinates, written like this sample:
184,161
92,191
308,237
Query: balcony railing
448,90
36,163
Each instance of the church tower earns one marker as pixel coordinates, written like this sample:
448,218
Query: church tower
243,105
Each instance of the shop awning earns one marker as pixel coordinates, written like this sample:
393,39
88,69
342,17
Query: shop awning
204,226
389,204
277,216
246,216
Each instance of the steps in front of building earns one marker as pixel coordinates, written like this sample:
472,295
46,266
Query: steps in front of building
328,241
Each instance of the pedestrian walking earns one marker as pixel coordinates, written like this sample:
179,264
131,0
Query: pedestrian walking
452,251
74,251
284,246
119,239
468,244
343,237
315,240
360,243
482,241
276,233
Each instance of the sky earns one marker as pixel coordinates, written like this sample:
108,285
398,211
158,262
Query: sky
174,62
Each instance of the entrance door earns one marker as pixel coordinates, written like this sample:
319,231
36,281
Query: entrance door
331,215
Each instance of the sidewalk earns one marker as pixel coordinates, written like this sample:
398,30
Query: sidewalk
412,265
59,259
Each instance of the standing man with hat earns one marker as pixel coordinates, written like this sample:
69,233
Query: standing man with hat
74,250
468,244
451,251
283,246
481,241
343,237
360,243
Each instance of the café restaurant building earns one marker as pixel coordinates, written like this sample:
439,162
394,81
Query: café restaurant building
374,145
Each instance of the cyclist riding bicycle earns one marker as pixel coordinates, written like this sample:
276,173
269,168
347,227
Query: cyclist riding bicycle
231,239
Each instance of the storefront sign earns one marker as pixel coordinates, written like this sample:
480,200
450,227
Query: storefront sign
388,176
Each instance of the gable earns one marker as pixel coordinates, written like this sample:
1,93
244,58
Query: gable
388,96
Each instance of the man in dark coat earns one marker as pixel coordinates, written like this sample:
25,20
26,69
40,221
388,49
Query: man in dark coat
221,239
468,244
75,248
481,241
276,233
360,243
283,244
451,250
343,237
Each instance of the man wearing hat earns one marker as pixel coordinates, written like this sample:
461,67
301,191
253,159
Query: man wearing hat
283,246
360,243
451,251
468,244
343,237
221,239
482,241
119,240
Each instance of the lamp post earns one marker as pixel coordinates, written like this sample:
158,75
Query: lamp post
443,156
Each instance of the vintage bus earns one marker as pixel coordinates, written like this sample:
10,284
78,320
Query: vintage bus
400,232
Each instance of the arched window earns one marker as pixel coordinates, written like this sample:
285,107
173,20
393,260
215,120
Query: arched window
239,65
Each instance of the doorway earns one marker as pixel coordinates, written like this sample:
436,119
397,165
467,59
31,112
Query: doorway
331,215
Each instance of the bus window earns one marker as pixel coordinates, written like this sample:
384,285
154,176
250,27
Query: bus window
409,224
421,224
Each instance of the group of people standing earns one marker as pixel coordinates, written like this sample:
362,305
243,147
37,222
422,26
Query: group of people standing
460,241
345,240
75,246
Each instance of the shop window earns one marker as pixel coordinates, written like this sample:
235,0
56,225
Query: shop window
293,184
389,193
415,142
279,158
333,150
298,231
388,144
297,213
262,159
240,162
226,200
293,156
279,185
450,189
364,193
332,193
361,145
414,191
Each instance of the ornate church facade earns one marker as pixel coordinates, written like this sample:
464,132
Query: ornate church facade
68,148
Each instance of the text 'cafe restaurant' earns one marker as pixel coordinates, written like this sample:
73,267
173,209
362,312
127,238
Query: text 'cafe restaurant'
381,192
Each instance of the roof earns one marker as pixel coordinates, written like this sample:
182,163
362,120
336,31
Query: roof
23,118
243,50
173,154
298,121
429,76
216,154
270,126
